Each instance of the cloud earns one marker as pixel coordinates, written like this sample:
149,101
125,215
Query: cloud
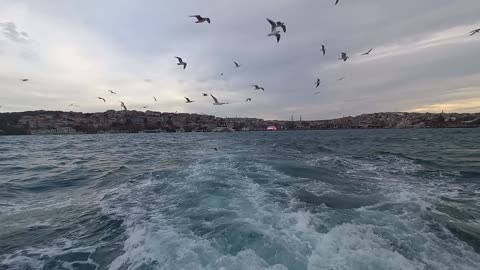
10,31
422,56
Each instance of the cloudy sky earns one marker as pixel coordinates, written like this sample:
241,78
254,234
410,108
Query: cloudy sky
73,51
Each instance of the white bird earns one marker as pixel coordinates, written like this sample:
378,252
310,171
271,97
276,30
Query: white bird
369,51
181,63
274,31
200,19
344,57
258,87
122,105
215,100
187,100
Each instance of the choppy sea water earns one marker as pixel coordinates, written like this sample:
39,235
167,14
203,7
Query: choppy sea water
359,199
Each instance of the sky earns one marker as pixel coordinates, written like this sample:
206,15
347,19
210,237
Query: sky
423,59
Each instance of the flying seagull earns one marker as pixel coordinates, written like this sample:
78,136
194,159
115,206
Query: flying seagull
145,107
187,100
323,49
476,31
112,92
200,19
248,99
258,87
25,80
154,98
181,63
104,101
369,51
317,83
73,105
341,79
215,100
274,31
205,94
344,57
336,2
236,65
221,74
122,105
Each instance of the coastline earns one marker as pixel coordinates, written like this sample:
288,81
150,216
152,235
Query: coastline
59,122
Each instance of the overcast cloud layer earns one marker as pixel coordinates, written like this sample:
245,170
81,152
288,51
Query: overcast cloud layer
73,51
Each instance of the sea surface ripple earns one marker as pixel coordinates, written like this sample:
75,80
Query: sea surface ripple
348,199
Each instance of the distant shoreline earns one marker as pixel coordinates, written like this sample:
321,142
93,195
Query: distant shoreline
111,122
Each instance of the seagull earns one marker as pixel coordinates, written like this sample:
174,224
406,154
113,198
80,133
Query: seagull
112,92
283,26
215,100
145,107
236,65
205,94
248,99
341,79
336,2
200,19
154,98
476,31
123,106
181,63
188,100
258,87
317,83
344,57
323,49
73,105
25,80
317,93
369,51
274,32
102,99
221,74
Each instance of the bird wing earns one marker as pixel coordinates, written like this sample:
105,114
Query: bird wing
184,65
344,55
196,16
284,28
278,37
208,20
214,98
336,2
188,100
154,98
236,64
273,24
179,59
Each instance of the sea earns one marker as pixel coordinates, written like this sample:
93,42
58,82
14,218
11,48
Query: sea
332,199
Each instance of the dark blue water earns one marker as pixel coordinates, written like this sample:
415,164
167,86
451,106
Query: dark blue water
362,199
